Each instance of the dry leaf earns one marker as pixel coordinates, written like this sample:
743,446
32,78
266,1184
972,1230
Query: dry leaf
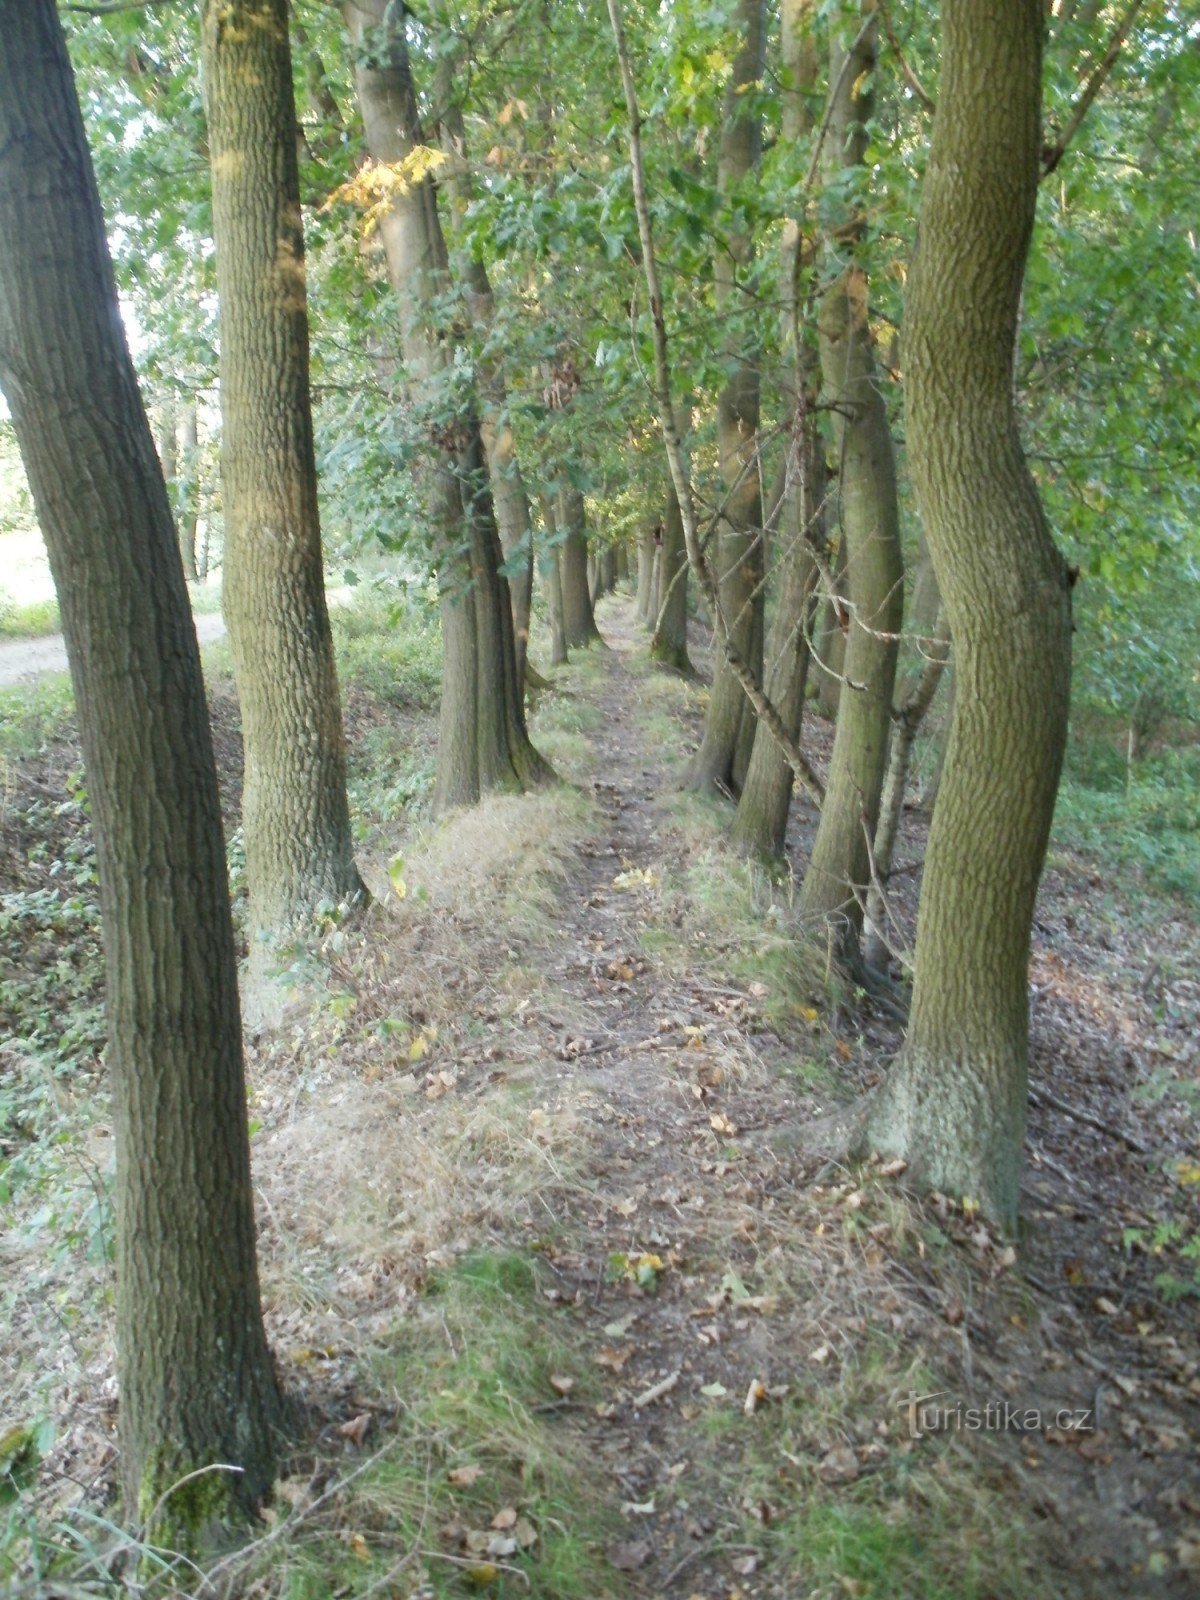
356,1428
505,1519
629,1555
839,1465
561,1384
464,1477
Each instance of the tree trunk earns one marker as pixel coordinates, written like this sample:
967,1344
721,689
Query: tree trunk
907,719
829,637
622,566
195,1378
669,643
296,820
724,752
954,1103
839,874
760,825
552,564
509,497
579,621
647,543
188,514
482,744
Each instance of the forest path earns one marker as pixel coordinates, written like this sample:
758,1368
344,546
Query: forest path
771,1285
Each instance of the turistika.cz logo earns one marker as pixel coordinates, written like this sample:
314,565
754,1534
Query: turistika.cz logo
935,1413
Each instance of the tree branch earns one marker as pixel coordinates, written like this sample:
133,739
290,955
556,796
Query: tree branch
1053,154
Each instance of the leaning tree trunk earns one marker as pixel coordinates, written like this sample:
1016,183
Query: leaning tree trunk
953,1105
296,820
839,870
760,825
197,1390
482,743
579,620
724,752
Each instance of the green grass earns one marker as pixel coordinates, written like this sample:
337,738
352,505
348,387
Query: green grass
1146,820
34,716
471,1373
30,621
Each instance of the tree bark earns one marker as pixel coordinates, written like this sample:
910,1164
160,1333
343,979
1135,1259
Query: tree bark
483,744
509,496
551,558
195,1378
724,752
296,819
839,874
954,1104
647,543
579,620
906,721
669,643
760,824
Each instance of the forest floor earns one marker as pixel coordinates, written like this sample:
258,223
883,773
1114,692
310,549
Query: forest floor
567,1312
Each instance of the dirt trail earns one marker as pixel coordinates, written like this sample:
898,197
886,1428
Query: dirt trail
687,1082
25,661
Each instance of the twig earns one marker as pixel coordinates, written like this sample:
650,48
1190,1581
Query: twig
1043,1097
657,1390
1053,154
910,77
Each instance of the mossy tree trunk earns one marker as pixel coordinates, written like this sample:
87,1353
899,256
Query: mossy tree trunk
724,752
483,744
839,872
296,820
195,1378
953,1105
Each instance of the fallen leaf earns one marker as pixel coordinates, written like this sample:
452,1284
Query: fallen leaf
561,1384
839,1465
714,1391
629,1555
464,1477
505,1519
356,1428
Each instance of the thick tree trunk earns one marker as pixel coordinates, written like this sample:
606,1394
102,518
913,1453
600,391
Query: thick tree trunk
483,744
195,1379
188,514
579,620
724,752
954,1103
839,873
669,643
299,852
